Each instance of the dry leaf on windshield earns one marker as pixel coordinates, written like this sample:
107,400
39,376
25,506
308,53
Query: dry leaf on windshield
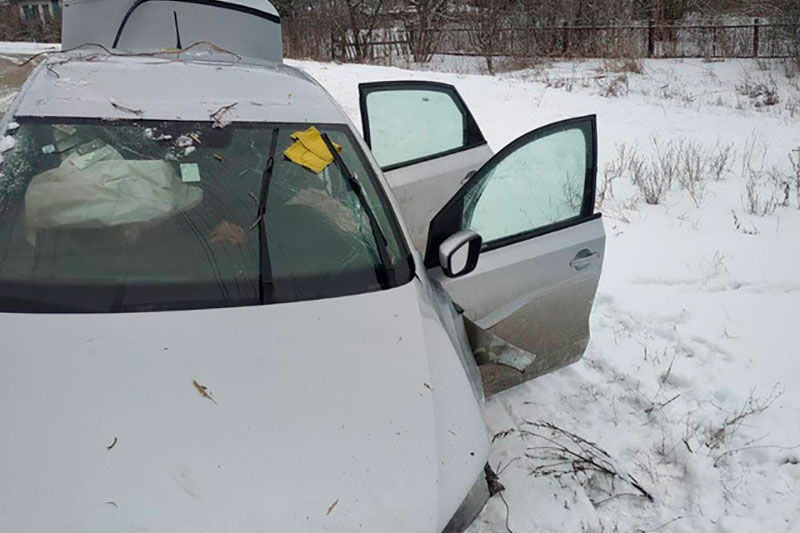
204,392
332,507
228,233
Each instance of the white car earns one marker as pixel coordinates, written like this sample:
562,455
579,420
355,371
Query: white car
213,319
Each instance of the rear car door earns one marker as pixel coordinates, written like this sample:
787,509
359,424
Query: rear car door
528,300
426,141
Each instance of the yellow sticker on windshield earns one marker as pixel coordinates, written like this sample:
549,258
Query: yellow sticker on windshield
310,151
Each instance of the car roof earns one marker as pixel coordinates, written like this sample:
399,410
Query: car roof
190,86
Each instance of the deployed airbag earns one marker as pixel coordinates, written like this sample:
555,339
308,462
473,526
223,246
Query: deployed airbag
107,194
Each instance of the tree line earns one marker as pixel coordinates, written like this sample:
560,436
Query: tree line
351,29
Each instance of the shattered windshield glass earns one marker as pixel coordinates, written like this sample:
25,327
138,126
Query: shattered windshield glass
123,216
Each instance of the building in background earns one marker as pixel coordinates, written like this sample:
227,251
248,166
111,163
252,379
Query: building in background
42,10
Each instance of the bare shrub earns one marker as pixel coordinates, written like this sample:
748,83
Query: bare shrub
557,453
666,159
733,421
687,163
623,65
739,225
652,184
762,92
754,154
694,162
615,87
792,106
759,198
614,170
782,185
794,157
721,160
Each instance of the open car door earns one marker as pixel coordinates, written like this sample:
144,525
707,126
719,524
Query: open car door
426,141
528,293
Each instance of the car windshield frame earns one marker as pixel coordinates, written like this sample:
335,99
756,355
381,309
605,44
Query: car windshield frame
39,296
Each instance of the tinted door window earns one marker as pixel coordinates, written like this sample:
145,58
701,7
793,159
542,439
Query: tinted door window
540,182
413,122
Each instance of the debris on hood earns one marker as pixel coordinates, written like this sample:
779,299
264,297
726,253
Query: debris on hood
184,141
115,105
332,507
152,135
218,115
204,392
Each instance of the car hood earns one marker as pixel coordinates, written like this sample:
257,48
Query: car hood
313,416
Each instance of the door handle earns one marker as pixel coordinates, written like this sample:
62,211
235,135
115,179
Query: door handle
584,259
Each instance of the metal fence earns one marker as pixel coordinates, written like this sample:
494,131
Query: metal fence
315,39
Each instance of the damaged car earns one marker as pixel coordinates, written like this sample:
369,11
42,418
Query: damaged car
224,308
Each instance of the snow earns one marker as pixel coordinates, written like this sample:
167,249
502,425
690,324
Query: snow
6,143
692,325
22,48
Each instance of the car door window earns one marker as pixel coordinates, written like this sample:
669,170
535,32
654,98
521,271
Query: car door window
540,182
411,122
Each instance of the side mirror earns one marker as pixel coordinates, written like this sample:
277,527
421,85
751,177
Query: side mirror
458,255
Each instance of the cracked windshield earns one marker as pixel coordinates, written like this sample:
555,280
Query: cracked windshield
99,216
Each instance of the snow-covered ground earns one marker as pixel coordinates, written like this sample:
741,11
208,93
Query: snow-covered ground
693,324
684,414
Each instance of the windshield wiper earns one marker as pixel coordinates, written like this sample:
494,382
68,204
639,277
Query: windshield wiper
380,238
266,288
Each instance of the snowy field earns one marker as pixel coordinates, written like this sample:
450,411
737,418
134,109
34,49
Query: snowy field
688,384
684,414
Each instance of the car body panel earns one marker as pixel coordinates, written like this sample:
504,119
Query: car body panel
107,431
133,25
531,292
356,413
528,295
188,90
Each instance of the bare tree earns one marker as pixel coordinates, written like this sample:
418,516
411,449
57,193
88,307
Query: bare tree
487,19
10,25
363,17
424,19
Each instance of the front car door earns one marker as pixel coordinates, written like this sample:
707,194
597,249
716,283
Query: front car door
426,141
527,304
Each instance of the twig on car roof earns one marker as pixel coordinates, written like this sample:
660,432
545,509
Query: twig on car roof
508,512
130,54
217,115
137,112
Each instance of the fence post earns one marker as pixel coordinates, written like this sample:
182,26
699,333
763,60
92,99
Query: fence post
651,44
755,37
